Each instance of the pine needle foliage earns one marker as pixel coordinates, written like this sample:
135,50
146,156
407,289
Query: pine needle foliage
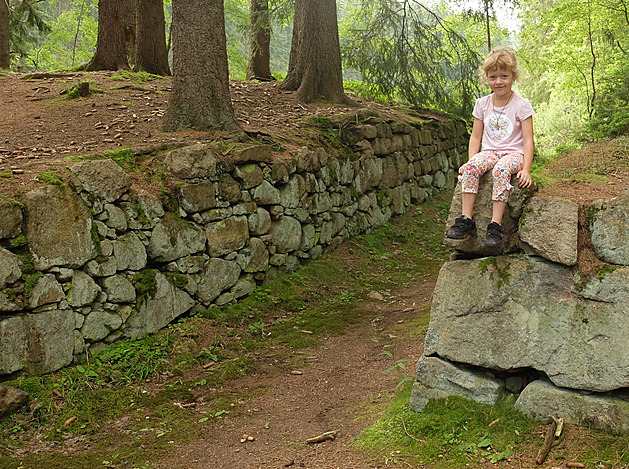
26,19
406,51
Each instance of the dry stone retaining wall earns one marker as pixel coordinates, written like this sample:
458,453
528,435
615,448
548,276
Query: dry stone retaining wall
92,261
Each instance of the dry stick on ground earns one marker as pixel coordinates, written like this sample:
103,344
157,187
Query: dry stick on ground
323,437
559,428
621,456
408,434
548,442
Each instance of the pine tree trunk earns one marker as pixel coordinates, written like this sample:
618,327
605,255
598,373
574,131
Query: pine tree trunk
5,56
200,91
314,69
259,42
110,44
151,54
129,11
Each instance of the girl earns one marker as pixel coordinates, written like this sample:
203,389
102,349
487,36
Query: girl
504,122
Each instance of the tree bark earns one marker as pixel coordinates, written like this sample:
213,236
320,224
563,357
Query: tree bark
259,41
151,54
200,91
129,13
5,55
488,23
110,44
314,69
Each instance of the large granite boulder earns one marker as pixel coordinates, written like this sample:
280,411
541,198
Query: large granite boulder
83,289
45,291
129,252
517,312
286,234
197,197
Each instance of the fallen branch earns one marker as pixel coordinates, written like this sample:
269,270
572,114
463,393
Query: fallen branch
559,428
548,443
40,75
323,437
408,434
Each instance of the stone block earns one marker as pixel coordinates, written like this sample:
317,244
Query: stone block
541,398
610,229
549,229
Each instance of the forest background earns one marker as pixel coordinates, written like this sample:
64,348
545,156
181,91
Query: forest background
425,54
574,54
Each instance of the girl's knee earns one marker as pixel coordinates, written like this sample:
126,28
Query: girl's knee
470,169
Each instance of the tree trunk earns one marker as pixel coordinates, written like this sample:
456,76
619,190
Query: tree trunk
488,24
129,13
5,56
110,44
200,91
314,68
151,54
259,41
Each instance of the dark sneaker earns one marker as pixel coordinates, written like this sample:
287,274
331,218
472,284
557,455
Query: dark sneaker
463,226
495,233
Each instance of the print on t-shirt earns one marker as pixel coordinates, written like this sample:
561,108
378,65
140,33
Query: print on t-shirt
499,128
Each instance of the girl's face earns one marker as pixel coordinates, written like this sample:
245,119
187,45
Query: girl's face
500,81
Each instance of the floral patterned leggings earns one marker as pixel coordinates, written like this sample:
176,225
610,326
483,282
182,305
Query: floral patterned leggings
504,164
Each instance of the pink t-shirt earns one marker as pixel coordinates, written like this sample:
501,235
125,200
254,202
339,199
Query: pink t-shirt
502,130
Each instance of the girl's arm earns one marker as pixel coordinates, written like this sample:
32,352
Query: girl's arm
475,138
524,176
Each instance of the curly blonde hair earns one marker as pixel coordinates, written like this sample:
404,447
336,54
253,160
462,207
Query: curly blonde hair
500,58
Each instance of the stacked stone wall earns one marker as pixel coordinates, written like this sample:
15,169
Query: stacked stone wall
95,260
527,321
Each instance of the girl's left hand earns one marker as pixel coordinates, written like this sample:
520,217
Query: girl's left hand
524,178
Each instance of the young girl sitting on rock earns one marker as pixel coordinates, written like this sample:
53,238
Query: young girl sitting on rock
504,122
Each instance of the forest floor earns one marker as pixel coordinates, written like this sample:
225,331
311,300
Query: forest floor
44,124
287,397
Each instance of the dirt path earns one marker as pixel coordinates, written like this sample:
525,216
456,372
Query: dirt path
341,389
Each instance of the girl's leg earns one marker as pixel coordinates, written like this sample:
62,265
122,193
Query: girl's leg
469,174
467,203
498,211
509,164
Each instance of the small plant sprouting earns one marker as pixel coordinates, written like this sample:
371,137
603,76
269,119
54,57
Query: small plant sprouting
18,241
30,280
145,286
591,214
603,270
